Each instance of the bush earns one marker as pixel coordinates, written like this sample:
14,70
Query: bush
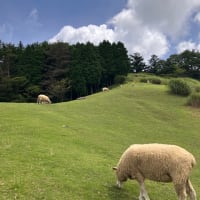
155,81
194,100
144,80
179,87
150,80
119,79
197,89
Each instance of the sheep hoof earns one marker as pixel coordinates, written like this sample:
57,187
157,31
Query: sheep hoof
119,185
144,197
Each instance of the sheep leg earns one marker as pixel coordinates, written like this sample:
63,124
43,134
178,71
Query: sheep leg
181,191
119,184
190,190
143,192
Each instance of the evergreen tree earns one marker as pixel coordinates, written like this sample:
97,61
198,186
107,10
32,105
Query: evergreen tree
172,66
55,69
8,59
107,62
190,62
153,64
30,62
85,67
121,59
78,81
137,63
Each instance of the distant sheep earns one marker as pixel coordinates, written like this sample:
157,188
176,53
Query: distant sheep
105,89
43,99
157,162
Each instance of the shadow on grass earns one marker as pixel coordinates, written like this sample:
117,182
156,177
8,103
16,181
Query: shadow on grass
116,193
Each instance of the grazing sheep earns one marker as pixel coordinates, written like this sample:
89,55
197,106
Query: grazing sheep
157,162
105,89
43,99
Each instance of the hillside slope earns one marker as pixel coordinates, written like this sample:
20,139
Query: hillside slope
67,150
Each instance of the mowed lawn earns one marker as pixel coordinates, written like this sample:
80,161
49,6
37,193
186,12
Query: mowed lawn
66,151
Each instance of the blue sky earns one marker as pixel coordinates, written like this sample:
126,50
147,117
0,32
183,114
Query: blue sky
39,20
160,27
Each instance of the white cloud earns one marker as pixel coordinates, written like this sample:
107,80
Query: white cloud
7,30
33,19
155,44
91,33
137,36
143,26
2,28
34,14
168,17
187,45
197,18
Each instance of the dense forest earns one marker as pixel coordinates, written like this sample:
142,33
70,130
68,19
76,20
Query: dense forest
62,71
66,72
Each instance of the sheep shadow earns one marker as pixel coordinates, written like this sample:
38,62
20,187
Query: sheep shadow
116,193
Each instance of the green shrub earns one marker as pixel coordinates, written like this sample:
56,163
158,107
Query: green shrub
155,81
179,87
150,80
119,79
144,80
197,89
194,100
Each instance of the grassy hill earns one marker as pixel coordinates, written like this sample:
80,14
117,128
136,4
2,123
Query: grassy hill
67,150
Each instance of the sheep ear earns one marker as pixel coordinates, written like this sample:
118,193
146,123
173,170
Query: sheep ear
114,168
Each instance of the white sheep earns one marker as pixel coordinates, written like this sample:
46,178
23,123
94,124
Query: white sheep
105,89
43,99
157,162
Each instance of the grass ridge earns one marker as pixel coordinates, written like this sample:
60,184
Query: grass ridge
67,150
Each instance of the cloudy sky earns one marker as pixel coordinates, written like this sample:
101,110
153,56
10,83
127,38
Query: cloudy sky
160,27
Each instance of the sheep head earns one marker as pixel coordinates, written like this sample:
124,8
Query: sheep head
119,183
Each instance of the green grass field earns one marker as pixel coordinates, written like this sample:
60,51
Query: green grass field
66,151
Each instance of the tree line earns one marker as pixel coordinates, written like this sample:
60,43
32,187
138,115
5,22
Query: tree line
185,64
66,72
62,71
